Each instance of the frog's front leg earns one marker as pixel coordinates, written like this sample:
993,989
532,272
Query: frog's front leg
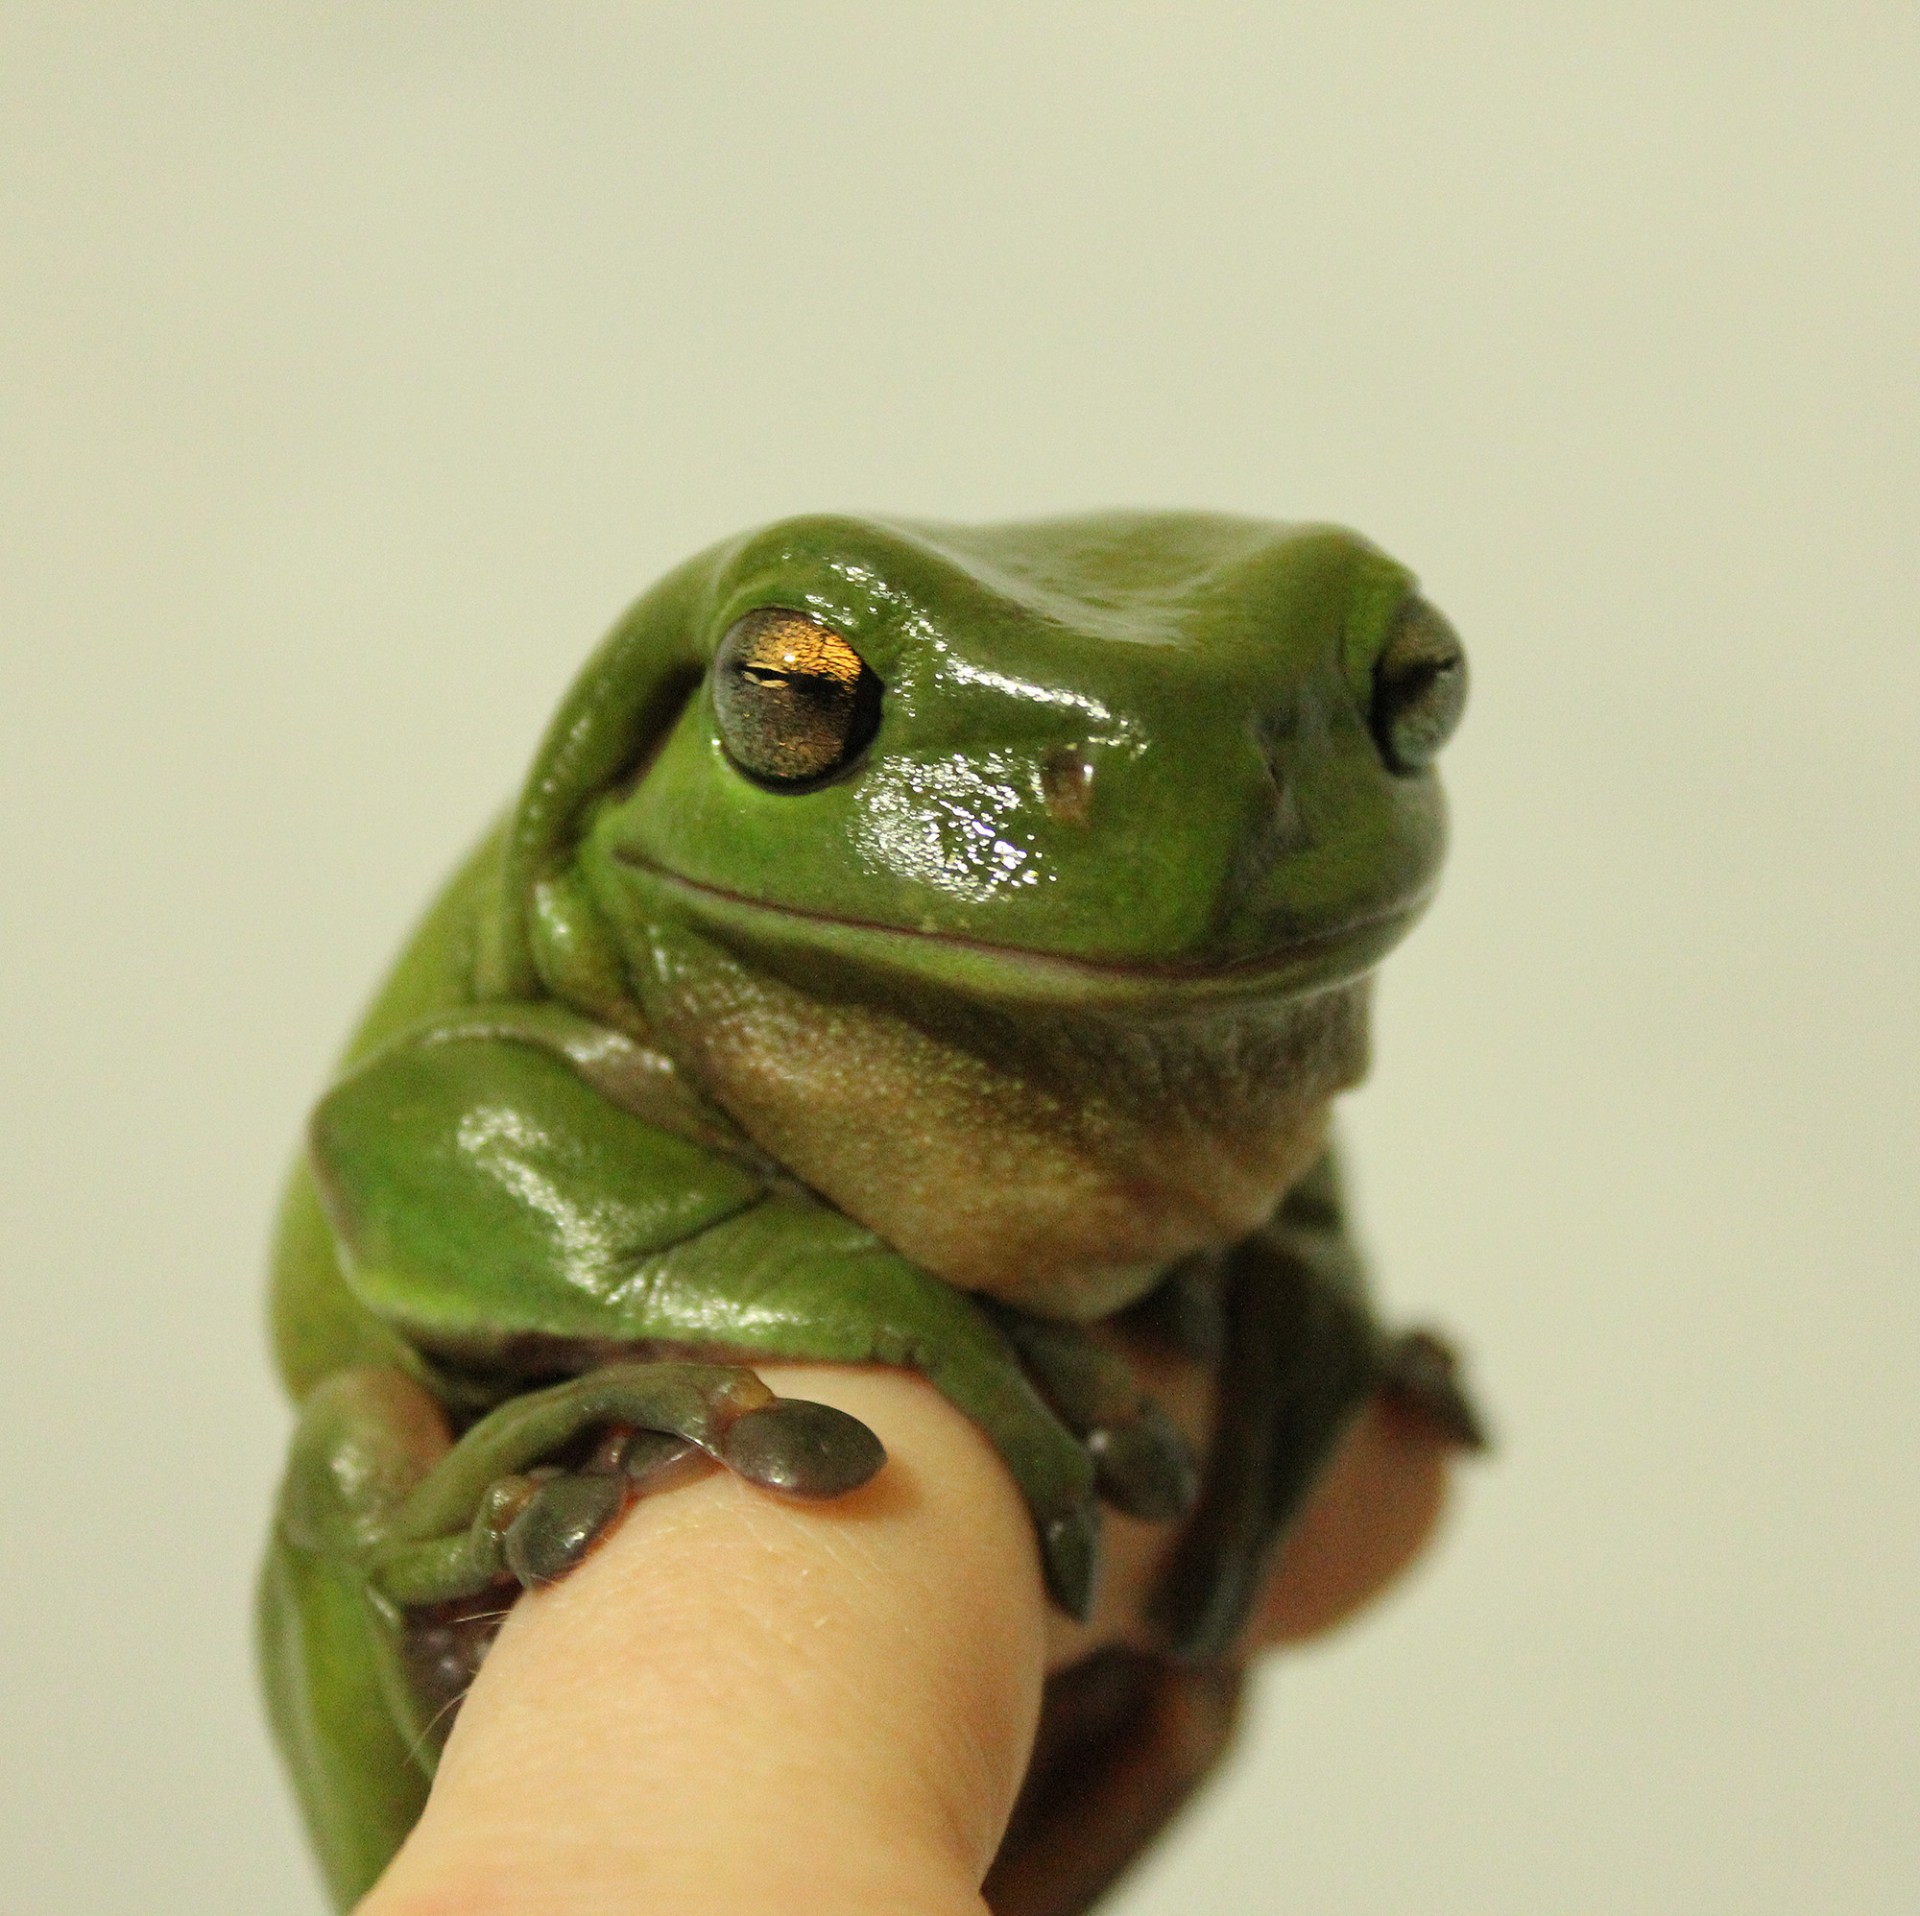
1142,1462
497,1506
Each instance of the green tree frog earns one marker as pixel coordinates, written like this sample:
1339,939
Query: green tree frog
913,945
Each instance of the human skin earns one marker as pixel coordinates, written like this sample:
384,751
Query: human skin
739,1702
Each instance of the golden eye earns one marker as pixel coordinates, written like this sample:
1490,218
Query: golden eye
796,703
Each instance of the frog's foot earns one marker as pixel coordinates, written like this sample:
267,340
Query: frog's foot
528,1491
1143,1464
1421,1375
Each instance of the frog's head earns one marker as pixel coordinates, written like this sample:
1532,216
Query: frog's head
1132,758
1139,767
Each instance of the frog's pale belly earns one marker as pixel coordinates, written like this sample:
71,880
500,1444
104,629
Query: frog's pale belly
1063,1174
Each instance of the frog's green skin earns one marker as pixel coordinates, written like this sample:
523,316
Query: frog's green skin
1038,1001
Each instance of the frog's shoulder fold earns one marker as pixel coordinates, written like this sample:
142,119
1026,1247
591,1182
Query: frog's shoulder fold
522,1159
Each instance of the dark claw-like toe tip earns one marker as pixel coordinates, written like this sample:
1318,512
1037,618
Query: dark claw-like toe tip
1423,1376
1146,1467
1070,1551
802,1449
558,1526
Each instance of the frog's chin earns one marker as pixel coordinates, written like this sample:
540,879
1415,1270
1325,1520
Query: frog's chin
788,936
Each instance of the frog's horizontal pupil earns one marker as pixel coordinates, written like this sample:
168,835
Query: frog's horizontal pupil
794,701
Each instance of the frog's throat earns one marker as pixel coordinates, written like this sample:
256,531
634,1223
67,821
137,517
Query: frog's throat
1017,976
1057,1155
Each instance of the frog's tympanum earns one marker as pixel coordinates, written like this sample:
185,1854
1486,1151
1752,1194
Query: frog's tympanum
913,945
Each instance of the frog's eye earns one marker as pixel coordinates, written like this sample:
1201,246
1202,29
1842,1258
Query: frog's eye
1419,687
796,703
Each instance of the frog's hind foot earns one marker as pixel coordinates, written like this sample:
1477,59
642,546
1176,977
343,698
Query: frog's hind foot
1142,1462
1421,1376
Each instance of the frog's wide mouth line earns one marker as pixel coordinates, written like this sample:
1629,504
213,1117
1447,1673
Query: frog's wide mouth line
1325,959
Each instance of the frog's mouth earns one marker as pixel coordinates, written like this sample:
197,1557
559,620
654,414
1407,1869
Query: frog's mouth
791,936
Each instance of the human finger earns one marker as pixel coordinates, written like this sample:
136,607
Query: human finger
741,1701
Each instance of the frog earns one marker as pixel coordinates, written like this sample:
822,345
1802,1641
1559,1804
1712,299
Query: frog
913,944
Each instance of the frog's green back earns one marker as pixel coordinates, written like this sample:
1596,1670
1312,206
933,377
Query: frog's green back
318,1327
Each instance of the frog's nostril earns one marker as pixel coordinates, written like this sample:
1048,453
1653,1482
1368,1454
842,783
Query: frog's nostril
1066,785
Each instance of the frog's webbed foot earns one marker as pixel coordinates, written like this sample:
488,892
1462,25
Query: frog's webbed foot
1420,1373
525,1494
1143,1465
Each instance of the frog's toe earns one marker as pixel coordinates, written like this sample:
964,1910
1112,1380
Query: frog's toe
559,1524
1070,1556
1145,1465
656,1460
802,1449
1422,1376
1142,1461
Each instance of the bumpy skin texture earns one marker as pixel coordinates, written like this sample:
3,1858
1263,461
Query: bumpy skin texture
912,945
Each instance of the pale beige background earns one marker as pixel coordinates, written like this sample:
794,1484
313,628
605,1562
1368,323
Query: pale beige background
361,361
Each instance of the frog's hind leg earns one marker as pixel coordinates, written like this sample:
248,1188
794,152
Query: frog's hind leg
332,1658
1302,1354
1302,1357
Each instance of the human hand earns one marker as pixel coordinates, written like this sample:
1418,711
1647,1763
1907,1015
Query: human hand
740,1702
